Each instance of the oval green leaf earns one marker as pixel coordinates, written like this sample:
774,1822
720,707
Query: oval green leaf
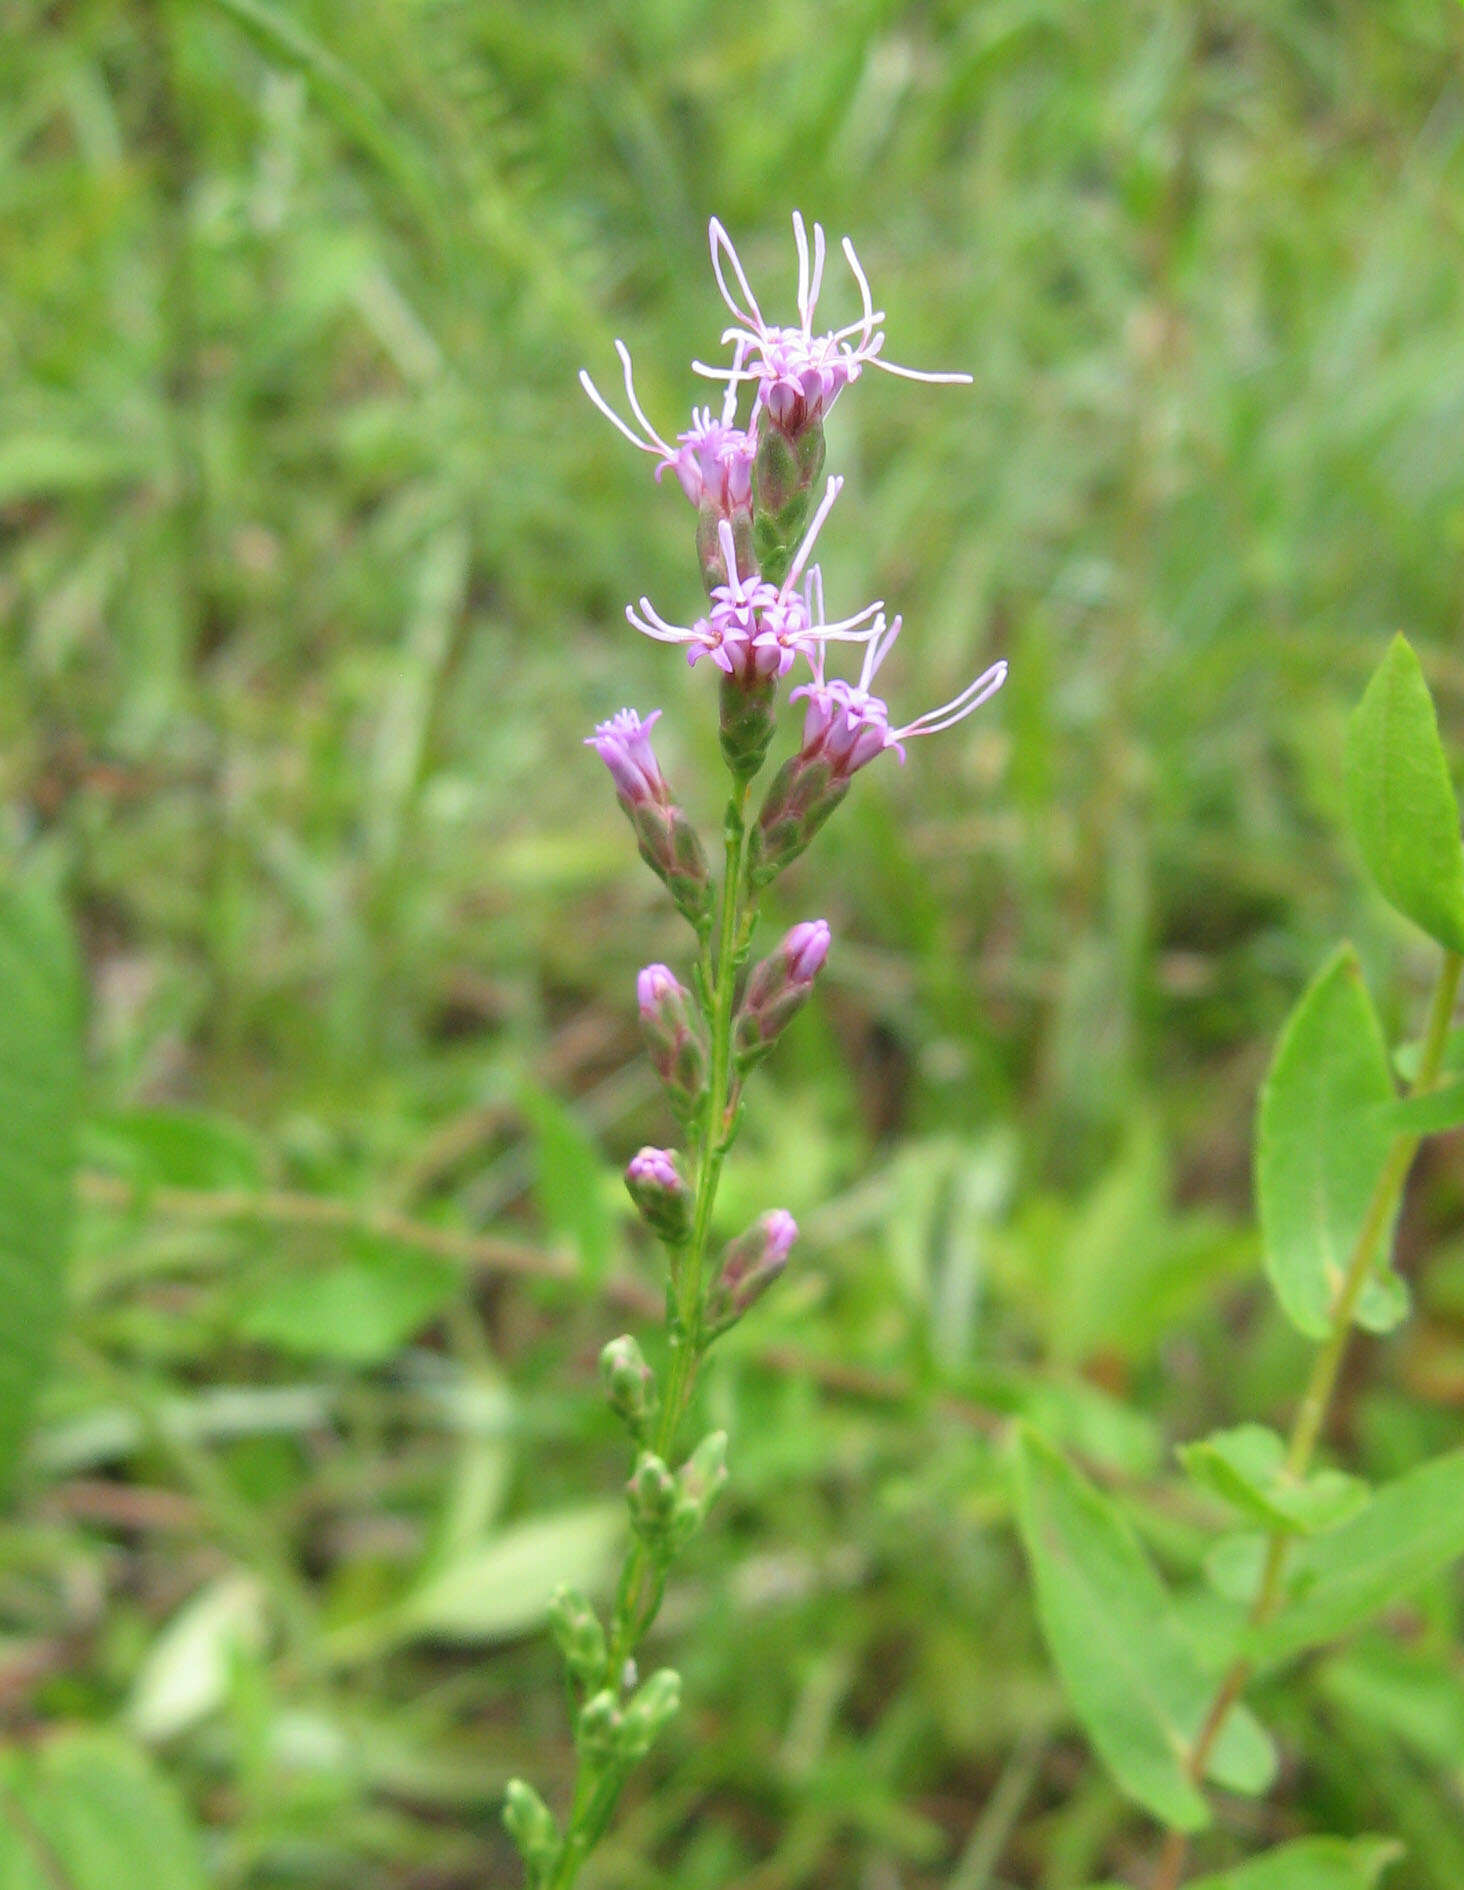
1322,1140
1132,1676
1401,802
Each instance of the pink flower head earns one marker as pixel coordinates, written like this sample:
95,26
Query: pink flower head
624,745
805,947
712,460
655,986
846,725
653,1168
754,628
800,374
780,1230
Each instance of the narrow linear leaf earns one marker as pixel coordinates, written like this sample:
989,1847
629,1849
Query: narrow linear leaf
1401,802
40,1064
1321,1143
1310,1864
1410,1530
1132,1676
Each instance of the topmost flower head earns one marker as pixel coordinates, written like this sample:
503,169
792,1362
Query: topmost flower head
800,374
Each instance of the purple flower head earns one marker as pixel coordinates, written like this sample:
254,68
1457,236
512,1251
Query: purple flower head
805,948
655,986
846,725
653,1168
712,460
750,1264
800,374
780,1231
754,629
624,745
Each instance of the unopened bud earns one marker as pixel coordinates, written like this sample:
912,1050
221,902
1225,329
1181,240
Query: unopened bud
777,989
750,1264
651,1496
597,1731
530,1823
790,457
671,1037
655,1185
747,720
804,792
666,838
629,1383
578,1635
653,1708
698,1482
669,845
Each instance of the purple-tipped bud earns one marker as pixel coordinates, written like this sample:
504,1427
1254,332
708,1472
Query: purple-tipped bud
666,838
698,1482
656,1187
672,1038
750,1264
778,988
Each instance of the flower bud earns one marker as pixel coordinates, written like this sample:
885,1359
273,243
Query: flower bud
805,791
630,1384
747,720
698,1483
750,1264
597,1731
671,1037
790,457
578,1635
653,1708
655,1185
665,837
651,1495
530,1823
778,988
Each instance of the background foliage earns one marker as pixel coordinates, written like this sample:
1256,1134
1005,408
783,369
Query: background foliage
312,559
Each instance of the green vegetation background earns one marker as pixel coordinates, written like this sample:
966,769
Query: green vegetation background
312,564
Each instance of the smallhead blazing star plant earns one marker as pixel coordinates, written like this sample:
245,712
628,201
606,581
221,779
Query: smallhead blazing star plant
761,500
1302,1550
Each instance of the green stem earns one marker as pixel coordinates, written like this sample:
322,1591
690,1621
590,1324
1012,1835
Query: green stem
642,1578
1316,1400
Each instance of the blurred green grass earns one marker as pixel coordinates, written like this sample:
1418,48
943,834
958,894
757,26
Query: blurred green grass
312,563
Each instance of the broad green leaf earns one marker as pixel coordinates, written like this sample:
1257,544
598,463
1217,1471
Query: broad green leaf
1401,802
1410,1530
1246,1468
1132,1676
174,1148
1310,1864
96,1815
1321,1143
361,1309
570,1171
1432,1113
501,1587
40,1065
185,1674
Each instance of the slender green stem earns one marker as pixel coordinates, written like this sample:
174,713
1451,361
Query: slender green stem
1316,1399
643,1578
